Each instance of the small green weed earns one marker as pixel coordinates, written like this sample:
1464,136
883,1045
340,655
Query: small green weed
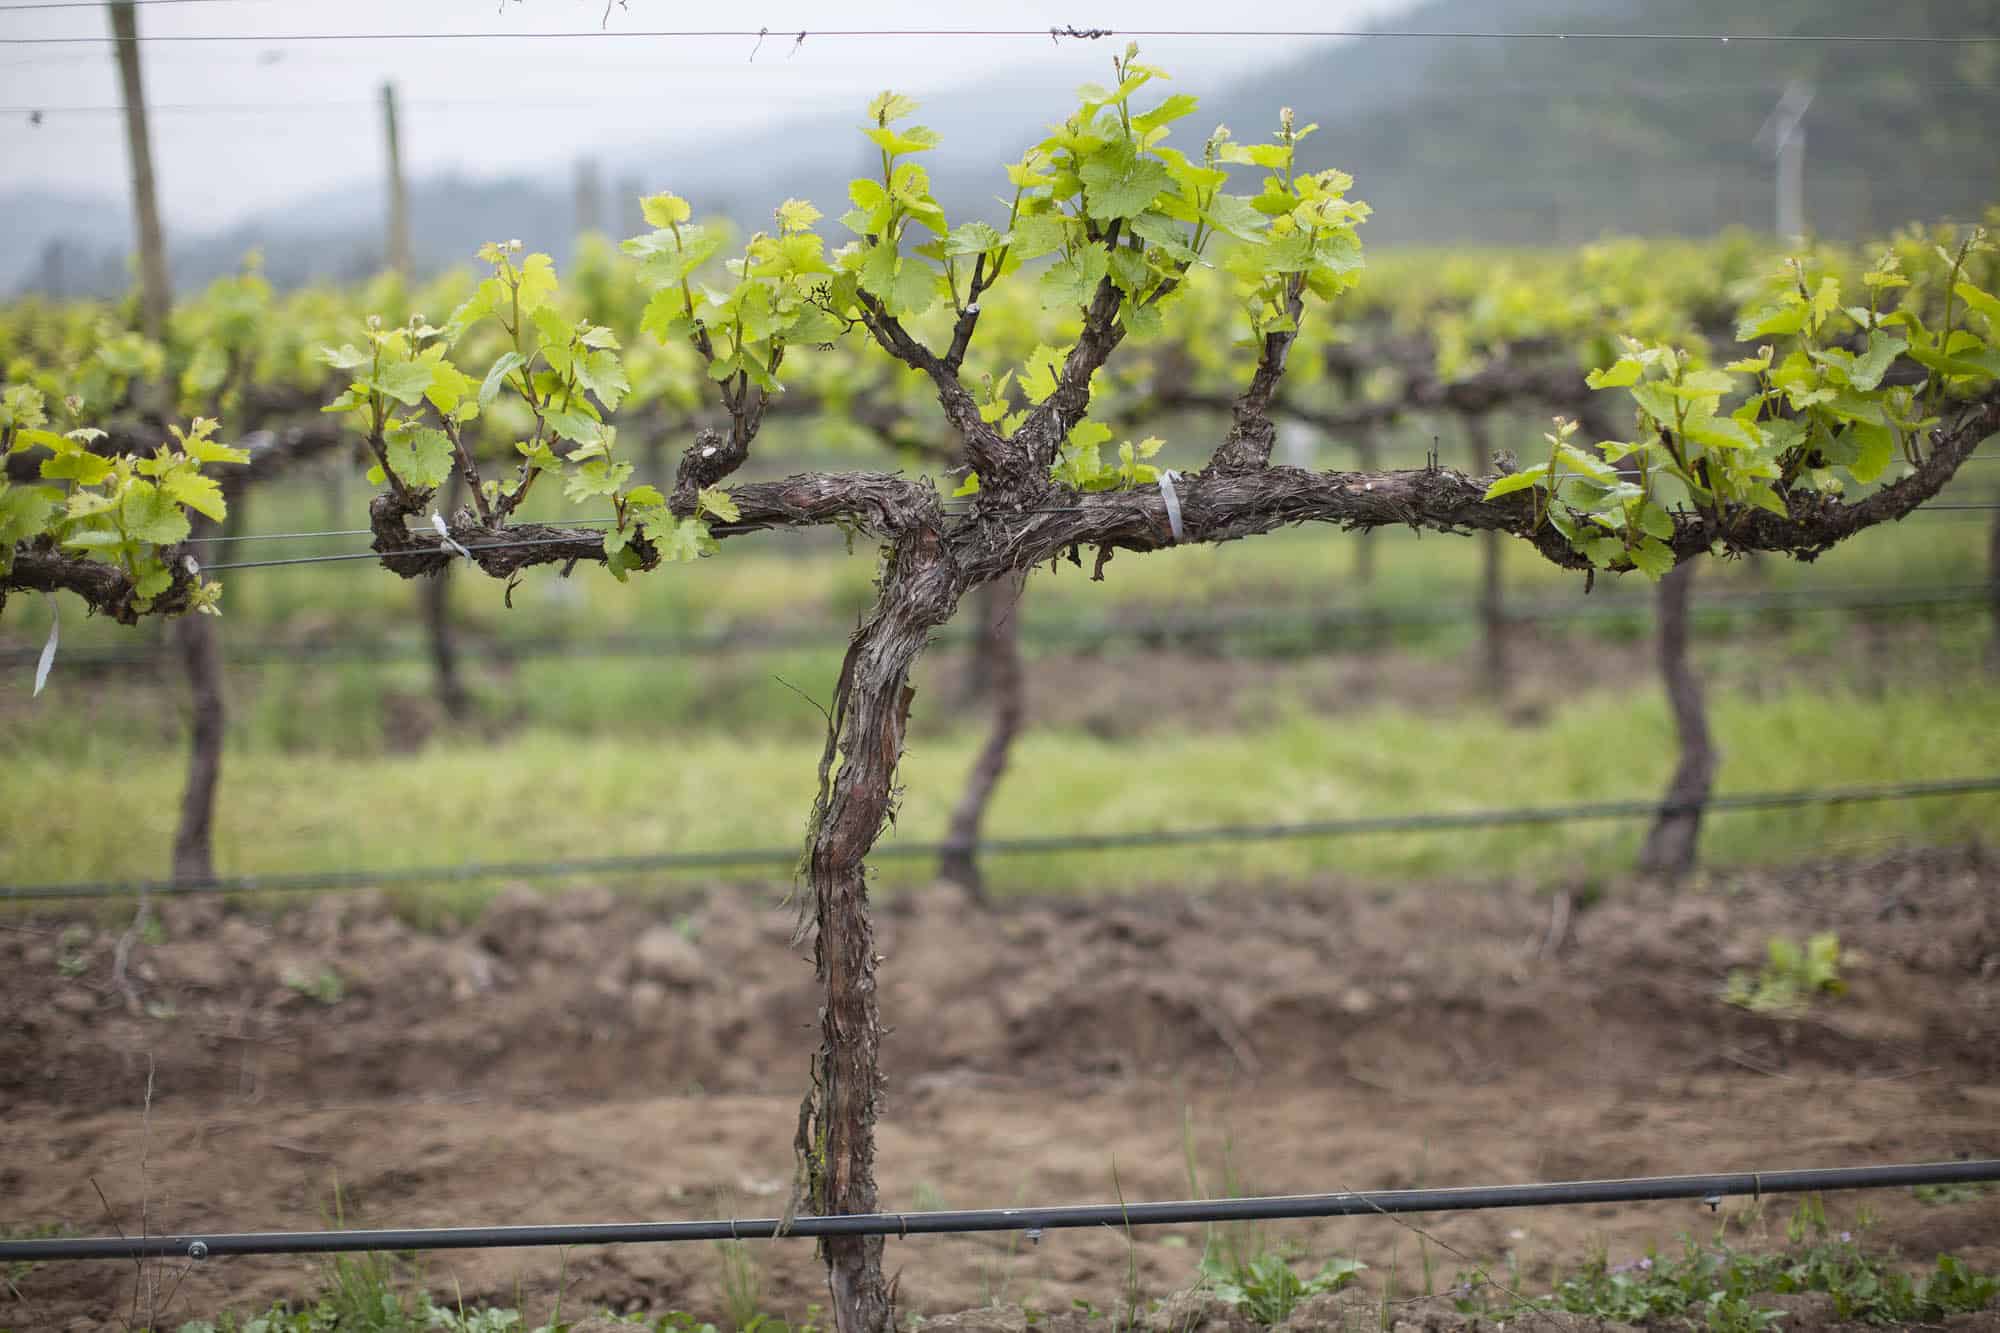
325,985
1715,1287
1793,976
1266,1288
1957,1191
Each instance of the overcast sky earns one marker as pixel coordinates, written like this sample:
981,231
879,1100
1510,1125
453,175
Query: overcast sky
243,126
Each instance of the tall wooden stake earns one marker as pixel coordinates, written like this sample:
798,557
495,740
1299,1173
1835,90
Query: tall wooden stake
155,296
399,196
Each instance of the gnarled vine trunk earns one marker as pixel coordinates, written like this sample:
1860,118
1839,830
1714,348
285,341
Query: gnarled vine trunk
1000,649
836,1144
1670,844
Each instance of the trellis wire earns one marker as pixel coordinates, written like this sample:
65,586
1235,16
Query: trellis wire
1050,33
1966,597
1709,1189
786,857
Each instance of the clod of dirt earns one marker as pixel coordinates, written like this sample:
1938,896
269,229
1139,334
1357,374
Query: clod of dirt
664,955
1198,1311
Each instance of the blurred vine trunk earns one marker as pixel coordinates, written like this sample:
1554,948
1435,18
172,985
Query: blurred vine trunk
1993,582
836,1130
1671,843
1367,457
999,647
199,642
435,593
1492,607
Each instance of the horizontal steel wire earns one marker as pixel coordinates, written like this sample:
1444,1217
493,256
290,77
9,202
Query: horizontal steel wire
1052,33
1966,597
1711,1189
785,857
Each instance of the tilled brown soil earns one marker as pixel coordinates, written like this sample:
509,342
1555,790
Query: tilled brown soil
591,1057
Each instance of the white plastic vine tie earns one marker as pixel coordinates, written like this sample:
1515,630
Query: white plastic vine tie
444,534
49,649
1167,479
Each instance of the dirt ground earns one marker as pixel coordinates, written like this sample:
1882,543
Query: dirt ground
589,1057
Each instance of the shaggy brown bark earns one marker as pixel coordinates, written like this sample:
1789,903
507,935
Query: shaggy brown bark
1000,649
1671,843
920,589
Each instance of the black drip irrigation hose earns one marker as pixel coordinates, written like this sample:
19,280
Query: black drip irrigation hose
787,857
1711,1189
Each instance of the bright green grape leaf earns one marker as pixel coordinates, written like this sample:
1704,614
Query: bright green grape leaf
204,450
1655,521
1722,433
969,238
1622,373
916,139
85,469
537,283
577,425
199,493
449,386
1270,156
1657,401
1160,230
665,317
1041,373
970,486
1233,215
645,497
1142,321
24,512
665,210
1825,301
1983,302
714,500
1604,552
1868,369
615,540
680,538
420,457
888,107
1931,358
1040,234
796,215
598,476
149,515
95,538
1130,272
154,578
1516,481
600,373
538,456
508,363
344,357
1120,183
1765,498
28,437
405,381
1166,113
1071,282
1777,321
1874,445
1653,558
